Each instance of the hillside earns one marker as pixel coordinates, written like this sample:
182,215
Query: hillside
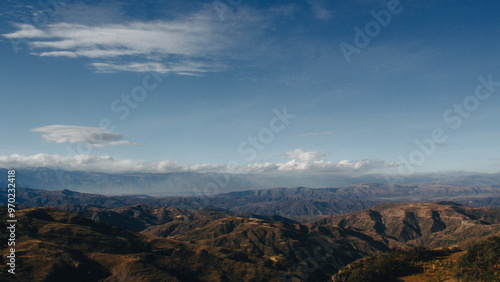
356,234
212,245
479,262
431,224
54,245
270,237
278,241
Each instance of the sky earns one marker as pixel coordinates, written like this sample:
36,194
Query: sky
349,87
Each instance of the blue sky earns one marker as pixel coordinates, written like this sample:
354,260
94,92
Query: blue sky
150,86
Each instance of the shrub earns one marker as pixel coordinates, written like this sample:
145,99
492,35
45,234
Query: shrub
481,262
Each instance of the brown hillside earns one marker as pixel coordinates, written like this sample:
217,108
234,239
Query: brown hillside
53,245
431,224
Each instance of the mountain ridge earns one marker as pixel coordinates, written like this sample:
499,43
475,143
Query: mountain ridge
157,243
298,203
189,183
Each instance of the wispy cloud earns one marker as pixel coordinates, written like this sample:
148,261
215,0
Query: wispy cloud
320,12
192,43
110,165
182,68
93,136
315,133
165,46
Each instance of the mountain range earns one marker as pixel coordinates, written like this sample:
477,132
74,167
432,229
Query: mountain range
279,234
151,243
298,203
195,184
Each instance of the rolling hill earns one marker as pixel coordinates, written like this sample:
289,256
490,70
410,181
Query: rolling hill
298,203
158,243
432,224
53,245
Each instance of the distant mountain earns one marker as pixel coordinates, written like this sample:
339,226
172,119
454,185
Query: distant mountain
178,183
301,204
194,184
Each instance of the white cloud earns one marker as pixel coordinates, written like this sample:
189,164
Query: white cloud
359,166
170,38
102,164
93,136
108,164
57,54
185,44
303,161
182,68
303,156
173,42
86,163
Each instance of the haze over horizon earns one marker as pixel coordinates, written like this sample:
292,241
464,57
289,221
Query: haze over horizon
336,88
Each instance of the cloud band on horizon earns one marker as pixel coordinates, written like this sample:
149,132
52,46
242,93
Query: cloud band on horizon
108,164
